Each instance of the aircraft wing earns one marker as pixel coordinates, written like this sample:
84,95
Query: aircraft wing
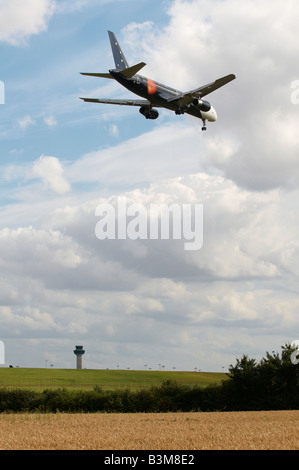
187,98
119,102
206,89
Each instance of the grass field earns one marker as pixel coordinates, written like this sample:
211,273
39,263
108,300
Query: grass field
271,430
107,379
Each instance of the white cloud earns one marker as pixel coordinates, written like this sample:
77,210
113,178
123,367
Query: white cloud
128,292
50,121
179,145
50,170
151,300
25,122
236,281
19,19
113,130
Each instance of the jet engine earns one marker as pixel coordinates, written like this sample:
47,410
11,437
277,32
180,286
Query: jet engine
149,113
203,105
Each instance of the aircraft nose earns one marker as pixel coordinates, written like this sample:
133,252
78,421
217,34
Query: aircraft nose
214,114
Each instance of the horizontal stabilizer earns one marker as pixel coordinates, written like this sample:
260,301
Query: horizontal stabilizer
131,71
128,73
103,75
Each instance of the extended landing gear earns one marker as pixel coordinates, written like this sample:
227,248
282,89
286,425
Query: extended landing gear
204,128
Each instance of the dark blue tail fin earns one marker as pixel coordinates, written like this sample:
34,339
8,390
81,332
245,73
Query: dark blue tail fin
119,58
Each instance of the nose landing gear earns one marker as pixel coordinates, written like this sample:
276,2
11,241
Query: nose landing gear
204,128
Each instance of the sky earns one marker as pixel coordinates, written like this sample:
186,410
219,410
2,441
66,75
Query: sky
148,303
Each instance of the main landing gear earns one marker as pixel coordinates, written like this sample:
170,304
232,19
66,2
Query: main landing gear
204,128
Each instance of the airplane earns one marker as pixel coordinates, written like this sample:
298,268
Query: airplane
155,94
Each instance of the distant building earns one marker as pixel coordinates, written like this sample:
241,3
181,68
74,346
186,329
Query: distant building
79,351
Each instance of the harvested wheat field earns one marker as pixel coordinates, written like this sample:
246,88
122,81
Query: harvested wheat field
169,431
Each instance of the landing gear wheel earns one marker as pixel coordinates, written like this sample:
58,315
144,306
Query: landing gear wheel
204,128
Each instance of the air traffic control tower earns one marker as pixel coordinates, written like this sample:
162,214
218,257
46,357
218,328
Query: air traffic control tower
79,351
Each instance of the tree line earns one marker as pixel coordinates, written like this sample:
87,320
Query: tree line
271,384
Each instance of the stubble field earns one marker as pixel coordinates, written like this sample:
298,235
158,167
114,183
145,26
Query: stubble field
277,430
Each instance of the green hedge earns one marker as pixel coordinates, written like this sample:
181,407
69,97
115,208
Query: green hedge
170,396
